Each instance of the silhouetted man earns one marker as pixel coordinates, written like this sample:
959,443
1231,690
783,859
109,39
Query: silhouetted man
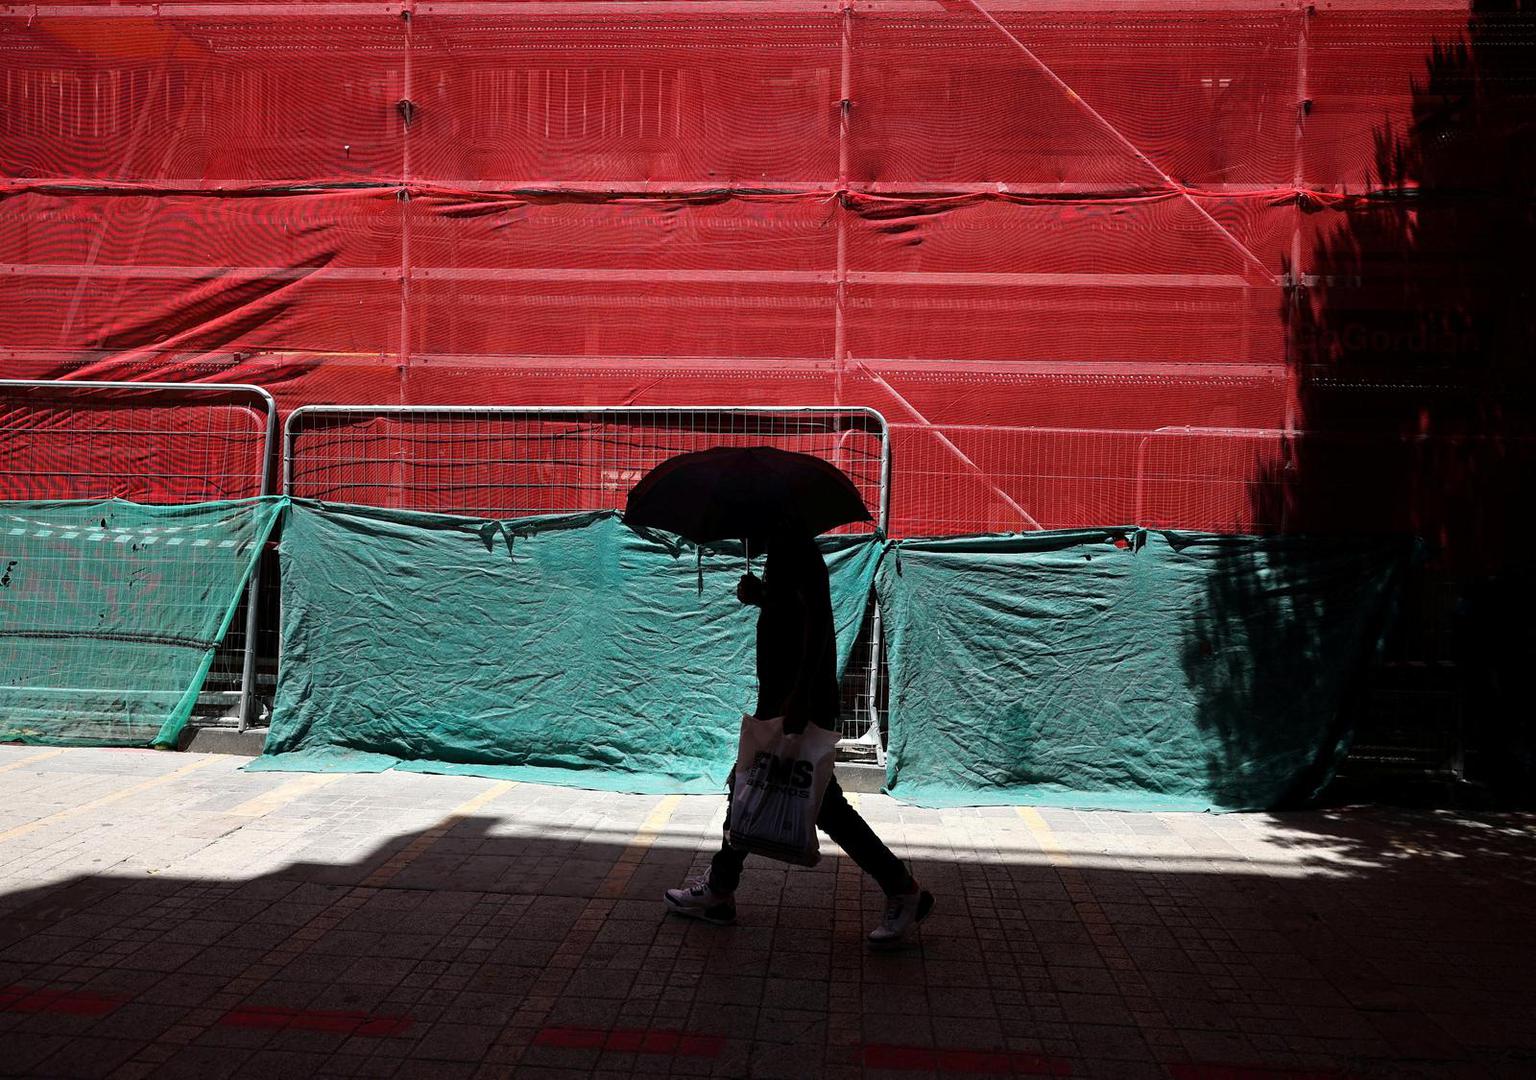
797,680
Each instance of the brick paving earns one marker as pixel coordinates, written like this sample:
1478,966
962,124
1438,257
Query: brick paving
169,915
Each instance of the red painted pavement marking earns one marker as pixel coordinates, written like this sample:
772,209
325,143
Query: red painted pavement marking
951,1059
1243,1072
630,1041
42,999
339,1021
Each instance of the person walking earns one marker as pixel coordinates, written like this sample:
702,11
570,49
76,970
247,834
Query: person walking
797,680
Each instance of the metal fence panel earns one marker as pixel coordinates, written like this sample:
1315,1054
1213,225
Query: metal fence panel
164,443
508,462
1003,478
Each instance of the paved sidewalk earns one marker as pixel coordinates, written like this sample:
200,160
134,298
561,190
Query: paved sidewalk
170,915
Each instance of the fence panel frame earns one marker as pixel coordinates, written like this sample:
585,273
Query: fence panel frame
263,402
296,418
872,737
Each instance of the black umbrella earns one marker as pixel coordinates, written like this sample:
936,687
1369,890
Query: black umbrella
743,493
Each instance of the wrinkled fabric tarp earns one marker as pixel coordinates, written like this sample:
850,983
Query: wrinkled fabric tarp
110,613
1123,669
564,649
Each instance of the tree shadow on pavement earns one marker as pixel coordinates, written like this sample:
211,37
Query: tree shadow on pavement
1368,945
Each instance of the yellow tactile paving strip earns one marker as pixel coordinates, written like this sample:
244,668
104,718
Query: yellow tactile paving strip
30,759
106,800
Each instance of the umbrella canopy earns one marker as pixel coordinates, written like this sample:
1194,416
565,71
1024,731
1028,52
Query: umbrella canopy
743,493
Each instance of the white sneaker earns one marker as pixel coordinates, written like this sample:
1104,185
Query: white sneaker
698,901
902,912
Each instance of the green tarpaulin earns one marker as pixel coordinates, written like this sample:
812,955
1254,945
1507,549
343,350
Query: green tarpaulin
565,649
1113,668
110,613
1122,669
1125,669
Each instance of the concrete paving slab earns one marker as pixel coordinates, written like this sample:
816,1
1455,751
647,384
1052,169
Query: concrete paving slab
170,915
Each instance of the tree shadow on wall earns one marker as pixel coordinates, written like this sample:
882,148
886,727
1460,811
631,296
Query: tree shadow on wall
1275,652
1411,329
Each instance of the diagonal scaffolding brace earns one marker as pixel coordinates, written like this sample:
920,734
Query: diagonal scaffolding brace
948,444
1120,137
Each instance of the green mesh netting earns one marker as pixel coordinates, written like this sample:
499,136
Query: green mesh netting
562,649
1123,669
110,613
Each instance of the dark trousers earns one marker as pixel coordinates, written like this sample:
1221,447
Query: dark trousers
843,824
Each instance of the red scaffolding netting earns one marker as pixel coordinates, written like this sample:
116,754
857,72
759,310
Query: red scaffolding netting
1095,262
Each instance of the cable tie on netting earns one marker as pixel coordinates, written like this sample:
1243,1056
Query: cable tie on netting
491,529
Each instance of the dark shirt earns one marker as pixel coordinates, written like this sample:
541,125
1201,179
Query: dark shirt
796,639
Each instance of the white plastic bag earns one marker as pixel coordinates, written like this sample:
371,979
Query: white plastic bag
777,788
